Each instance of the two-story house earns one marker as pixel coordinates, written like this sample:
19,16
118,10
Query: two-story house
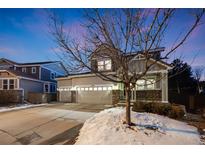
22,78
89,88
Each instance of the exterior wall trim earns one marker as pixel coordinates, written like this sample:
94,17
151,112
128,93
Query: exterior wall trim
81,75
169,67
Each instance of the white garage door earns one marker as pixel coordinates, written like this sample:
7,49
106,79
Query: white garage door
65,96
94,97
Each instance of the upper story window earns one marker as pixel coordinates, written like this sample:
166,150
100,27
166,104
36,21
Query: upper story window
53,75
33,70
24,69
104,65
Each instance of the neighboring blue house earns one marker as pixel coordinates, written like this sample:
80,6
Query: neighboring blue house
38,77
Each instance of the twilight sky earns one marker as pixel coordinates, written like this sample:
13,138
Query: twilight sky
24,35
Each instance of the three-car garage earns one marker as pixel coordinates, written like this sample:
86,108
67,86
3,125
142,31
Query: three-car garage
87,89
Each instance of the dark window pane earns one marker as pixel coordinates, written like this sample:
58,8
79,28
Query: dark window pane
46,88
51,88
5,81
11,86
11,81
5,87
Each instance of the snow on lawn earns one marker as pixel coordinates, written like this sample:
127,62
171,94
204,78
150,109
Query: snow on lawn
19,106
107,128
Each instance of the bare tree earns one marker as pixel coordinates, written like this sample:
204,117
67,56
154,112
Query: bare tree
123,32
198,72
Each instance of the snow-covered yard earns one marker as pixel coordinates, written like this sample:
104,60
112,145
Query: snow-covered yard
19,106
107,128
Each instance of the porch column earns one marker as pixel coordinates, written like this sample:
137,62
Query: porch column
164,84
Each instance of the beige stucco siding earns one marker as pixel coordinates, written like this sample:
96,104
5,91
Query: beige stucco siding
139,66
94,97
65,96
64,82
89,81
81,81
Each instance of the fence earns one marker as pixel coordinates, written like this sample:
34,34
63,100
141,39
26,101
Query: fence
193,103
37,98
10,97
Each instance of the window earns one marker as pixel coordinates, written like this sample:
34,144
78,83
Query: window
150,83
24,69
8,84
5,84
140,84
46,88
33,70
100,65
53,76
11,84
51,88
90,88
104,65
146,84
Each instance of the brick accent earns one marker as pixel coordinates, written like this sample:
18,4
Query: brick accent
115,97
149,95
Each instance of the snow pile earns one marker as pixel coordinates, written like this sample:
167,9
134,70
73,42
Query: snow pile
107,128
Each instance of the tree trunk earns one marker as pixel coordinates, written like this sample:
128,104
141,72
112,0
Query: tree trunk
199,88
127,98
178,88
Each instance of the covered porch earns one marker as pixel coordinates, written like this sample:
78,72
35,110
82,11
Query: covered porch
152,88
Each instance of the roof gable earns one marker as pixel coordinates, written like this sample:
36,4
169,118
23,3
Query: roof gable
159,62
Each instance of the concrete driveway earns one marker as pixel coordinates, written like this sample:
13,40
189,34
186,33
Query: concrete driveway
51,124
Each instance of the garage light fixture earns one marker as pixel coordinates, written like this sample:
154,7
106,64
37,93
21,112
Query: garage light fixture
91,89
86,89
104,88
82,89
73,89
95,88
99,88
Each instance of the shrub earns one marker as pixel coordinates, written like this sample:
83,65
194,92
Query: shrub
166,109
177,112
8,97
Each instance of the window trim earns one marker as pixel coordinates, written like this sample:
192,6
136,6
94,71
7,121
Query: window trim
32,70
11,84
8,84
54,75
145,86
46,84
104,62
23,69
3,84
